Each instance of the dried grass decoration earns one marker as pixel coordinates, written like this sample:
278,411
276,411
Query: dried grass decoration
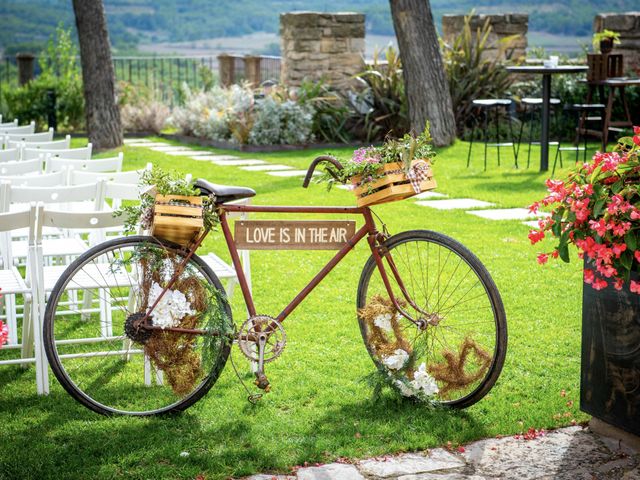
174,353
383,343
451,375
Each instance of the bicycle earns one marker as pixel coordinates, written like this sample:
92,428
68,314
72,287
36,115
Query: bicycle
432,314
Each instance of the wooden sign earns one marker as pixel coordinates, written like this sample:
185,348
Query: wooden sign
293,234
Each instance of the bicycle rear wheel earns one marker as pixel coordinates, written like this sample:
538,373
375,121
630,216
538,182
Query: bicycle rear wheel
108,364
457,355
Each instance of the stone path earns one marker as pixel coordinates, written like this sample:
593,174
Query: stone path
454,203
507,214
572,453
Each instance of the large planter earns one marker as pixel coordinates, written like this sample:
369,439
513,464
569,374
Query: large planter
610,373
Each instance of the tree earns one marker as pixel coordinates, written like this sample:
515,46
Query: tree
423,70
101,111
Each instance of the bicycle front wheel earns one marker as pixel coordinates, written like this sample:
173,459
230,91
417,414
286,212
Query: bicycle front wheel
110,364
455,355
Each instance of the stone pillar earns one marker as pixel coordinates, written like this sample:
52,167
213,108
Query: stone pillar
25,67
226,69
252,70
628,26
503,25
322,45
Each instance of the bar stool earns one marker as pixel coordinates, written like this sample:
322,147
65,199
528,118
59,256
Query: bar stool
486,106
531,106
585,113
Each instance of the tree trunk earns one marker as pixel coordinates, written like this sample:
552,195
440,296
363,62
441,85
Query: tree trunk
102,113
423,70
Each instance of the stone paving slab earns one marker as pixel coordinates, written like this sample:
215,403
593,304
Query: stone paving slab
570,453
127,141
454,203
507,214
211,158
238,163
412,464
531,224
265,168
147,144
430,195
332,471
168,148
188,152
290,173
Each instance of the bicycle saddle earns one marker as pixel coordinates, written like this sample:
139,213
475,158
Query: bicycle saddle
223,193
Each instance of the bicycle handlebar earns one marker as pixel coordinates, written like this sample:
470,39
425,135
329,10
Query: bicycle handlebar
314,164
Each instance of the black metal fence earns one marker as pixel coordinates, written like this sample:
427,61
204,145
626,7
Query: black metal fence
163,76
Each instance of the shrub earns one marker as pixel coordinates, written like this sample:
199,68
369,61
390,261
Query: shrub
139,111
281,122
61,75
333,117
473,74
381,107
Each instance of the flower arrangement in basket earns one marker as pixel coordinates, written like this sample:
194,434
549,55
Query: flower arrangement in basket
398,169
597,209
171,208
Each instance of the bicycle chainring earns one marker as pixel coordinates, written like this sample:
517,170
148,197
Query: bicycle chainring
250,332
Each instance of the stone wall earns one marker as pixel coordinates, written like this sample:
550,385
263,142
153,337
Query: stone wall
321,45
502,26
628,26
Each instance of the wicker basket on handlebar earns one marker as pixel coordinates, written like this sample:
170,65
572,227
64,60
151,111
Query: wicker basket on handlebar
177,218
393,185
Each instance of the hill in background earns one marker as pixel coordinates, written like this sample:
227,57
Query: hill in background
27,24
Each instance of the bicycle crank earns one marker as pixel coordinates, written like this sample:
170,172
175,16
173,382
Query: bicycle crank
261,339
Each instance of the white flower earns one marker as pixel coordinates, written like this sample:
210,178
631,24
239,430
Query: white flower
405,390
383,321
172,307
397,360
424,382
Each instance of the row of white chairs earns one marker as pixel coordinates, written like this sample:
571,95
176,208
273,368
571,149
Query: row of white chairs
13,127
37,172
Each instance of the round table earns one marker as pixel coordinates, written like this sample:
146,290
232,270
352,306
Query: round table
546,73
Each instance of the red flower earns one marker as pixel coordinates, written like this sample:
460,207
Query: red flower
589,276
636,139
600,283
618,284
621,228
533,208
636,130
618,248
555,253
542,258
4,334
535,236
635,214
600,227
634,287
637,255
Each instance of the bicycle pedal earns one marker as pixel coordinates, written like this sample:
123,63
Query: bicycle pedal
262,382
254,398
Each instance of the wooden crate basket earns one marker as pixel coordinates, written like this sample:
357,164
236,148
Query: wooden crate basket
177,218
393,186
603,66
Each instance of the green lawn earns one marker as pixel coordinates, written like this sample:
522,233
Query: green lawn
319,408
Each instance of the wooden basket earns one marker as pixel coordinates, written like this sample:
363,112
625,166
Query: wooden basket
177,218
391,187
603,66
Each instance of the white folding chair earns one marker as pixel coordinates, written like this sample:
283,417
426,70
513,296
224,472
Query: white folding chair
8,124
93,280
79,177
13,284
83,153
10,155
52,145
60,246
31,128
113,164
44,180
21,168
29,137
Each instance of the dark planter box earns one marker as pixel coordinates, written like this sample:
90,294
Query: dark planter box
610,373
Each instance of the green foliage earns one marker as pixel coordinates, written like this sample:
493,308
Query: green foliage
604,34
471,73
332,117
61,75
382,104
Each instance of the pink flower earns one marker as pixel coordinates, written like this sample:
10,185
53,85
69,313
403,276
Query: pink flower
635,214
621,228
634,287
535,236
542,258
636,254
533,208
636,139
618,283
4,333
618,248
636,130
600,227
599,284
